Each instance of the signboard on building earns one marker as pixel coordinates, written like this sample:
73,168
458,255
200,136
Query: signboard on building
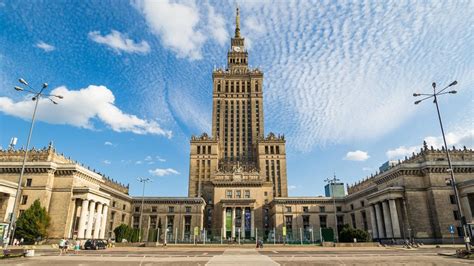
284,231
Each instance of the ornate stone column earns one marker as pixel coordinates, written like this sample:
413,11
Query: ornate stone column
83,219
378,214
394,215
90,219
224,233
233,222
103,220
387,219
97,220
373,222
252,222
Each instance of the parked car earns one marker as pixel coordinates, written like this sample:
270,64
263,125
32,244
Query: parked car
95,244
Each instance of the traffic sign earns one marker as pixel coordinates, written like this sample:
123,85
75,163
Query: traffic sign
451,229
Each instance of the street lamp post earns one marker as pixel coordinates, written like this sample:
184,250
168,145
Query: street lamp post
37,95
332,182
144,181
435,95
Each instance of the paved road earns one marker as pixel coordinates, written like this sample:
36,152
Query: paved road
245,256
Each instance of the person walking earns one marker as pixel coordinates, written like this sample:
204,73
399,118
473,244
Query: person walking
77,246
62,242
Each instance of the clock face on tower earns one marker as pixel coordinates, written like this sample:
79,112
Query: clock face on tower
236,49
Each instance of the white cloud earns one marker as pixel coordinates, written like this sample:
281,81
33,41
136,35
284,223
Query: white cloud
106,162
160,159
291,187
148,158
163,172
216,25
367,169
81,108
179,25
254,25
454,138
119,42
138,162
402,151
45,47
176,24
356,156
108,143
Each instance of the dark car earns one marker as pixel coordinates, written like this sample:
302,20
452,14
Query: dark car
95,244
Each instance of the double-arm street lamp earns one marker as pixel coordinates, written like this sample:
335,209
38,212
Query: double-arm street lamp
435,96
332,182
144,181
37,95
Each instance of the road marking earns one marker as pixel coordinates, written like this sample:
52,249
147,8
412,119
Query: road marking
274,251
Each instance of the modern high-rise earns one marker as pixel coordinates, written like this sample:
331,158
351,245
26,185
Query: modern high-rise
238,169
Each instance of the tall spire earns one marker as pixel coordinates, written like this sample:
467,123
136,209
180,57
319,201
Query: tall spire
237,23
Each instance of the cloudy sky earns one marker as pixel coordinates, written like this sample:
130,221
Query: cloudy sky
136,81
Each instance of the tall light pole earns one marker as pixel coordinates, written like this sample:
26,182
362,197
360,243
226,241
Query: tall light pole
435,95
37,95
332,182
144,181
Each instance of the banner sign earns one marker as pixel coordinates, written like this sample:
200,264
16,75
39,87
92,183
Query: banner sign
228,220
284,230
196,231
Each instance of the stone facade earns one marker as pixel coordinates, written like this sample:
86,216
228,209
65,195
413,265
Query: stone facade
177,216
78,199
237,170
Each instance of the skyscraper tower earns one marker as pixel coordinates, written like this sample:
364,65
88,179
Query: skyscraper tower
237,155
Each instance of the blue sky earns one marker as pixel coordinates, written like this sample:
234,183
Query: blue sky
136,77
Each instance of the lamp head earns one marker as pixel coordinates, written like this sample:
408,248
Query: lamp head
59,96
453,92
453,83
417,102
18,88
22,81
434,85
33,99
45,85
416,94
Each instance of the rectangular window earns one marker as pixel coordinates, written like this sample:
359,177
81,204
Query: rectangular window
362,203
171,209
322,209
353,219
322,221
28,182
137,209
352,206
124,207
265,193
247,194
238,194
154,209
288,209
456,215
228,194
114,203
452,199
123,217
305,209
24,199
338,208
188,209
112,215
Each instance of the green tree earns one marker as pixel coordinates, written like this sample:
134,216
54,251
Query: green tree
347,234
33,223
122,232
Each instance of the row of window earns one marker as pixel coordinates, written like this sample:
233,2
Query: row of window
238,60
170,209
204,149
240,86
229,194
306,209
272,149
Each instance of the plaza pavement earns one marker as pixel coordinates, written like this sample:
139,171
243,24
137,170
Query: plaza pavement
235,255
